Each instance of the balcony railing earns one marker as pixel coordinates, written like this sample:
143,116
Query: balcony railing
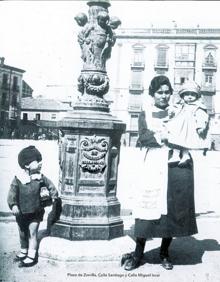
209,66
136,87
138,65
134,107
167,32
159,65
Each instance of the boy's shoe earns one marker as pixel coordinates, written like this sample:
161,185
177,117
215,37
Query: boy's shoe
32,262
21,256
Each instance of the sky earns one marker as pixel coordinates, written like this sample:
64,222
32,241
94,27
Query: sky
40,37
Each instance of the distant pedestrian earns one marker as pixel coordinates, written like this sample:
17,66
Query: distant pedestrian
26,198
188,128
212,148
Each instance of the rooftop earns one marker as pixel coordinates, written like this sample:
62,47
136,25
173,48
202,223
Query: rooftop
169,33
3,66
41,104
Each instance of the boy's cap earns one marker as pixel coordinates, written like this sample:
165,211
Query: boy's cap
28,155
190,86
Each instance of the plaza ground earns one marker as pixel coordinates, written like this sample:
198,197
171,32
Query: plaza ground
195,258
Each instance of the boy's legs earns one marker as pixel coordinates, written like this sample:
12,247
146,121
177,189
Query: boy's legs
32,250
23,236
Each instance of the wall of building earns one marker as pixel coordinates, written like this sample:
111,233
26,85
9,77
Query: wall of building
42,115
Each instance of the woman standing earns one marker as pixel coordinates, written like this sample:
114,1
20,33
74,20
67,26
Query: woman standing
165,208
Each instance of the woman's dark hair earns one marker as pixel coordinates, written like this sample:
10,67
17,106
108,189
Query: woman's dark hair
157,82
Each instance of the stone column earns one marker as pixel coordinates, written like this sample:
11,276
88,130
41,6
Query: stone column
90,145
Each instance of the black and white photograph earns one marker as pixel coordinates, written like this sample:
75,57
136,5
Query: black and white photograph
109,141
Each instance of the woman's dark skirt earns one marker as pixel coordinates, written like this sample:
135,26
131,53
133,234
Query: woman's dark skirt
180,219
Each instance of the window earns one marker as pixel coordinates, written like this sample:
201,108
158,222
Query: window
136,80
2,116
53,116
5,79
25,116
15,83
208,78
134,122
138,59
181,75
161,55
209,60
182,80
210,55
133,139
14,99
185,52
37,117
184,63
4,96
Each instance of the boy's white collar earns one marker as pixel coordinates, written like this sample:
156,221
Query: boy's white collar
25,178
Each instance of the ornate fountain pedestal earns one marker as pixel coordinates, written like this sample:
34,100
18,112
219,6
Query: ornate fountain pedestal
88,180
90,146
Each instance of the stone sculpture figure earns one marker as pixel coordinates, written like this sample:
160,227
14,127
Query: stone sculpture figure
96,39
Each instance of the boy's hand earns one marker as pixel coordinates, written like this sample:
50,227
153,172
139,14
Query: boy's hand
15,210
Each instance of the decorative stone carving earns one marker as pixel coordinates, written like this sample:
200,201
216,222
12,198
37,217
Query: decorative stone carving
95,84
93,152
96,39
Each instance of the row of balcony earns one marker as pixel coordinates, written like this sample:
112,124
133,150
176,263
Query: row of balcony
165,65
195,32
138,88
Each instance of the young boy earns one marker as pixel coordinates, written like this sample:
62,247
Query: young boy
24,199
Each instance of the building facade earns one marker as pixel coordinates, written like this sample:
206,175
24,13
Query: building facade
40,109
38,116
179,53
27,91
10,97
